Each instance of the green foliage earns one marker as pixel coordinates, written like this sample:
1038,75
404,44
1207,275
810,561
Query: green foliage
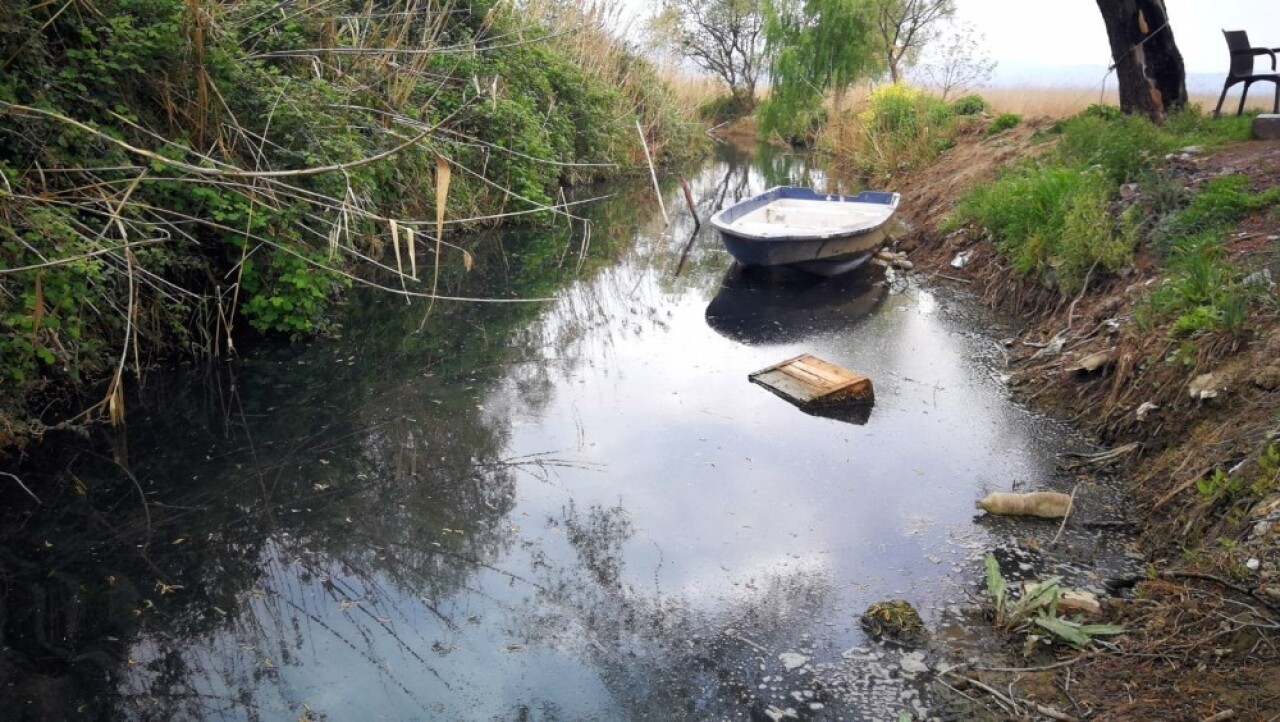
1003,122
1202,292
220,88
1052,220
725,108
1248,485
813,46
902,128
1126,148
972,104
1036,611
1219,204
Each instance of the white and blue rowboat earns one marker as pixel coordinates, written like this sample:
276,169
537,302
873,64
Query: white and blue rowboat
823,234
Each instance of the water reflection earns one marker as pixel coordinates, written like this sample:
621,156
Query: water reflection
567,511
762,306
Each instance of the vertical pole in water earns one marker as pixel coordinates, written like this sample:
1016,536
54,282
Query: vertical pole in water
688,199
653,174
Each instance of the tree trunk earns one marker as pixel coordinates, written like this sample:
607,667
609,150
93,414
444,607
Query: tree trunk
1148,65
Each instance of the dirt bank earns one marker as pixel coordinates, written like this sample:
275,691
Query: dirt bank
1202,626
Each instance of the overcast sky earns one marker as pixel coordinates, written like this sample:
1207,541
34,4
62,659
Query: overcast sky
1070,32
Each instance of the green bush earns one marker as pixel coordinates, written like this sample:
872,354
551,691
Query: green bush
1003,122
1127,148
969,105
902,128
218,89
1052,221
725,108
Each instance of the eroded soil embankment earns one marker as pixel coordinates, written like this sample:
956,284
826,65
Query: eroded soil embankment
1202,627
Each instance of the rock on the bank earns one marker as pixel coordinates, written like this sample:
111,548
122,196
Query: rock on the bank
1267,127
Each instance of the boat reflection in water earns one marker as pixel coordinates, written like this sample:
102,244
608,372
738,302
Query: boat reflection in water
757,306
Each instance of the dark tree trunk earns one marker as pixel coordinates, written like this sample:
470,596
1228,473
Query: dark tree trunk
1148,65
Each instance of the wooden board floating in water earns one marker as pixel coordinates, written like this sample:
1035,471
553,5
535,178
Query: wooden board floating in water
809,382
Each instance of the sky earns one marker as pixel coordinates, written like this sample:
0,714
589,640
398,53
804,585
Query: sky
1023,35
1068,33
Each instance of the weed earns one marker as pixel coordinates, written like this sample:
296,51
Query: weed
902,128
1222,202
1003,122
970,105
1126,148
1035,611
1053,221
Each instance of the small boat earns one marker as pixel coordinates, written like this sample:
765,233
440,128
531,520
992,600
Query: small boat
823,234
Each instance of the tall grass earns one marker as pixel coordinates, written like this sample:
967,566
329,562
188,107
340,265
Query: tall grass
1055,218
280,157
895,129
1049,101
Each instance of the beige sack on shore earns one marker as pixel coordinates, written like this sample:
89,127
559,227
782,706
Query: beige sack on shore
1048,504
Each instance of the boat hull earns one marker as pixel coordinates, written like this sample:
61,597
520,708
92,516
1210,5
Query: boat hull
826,235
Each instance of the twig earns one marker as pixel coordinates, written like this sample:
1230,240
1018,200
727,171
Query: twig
1071,311
1044,668
82,256
1221,582
952,278
25,488
653,174
1222,716
222,172
1049,712
1071,505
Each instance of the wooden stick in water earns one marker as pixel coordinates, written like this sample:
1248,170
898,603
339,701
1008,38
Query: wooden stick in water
688,199
653,174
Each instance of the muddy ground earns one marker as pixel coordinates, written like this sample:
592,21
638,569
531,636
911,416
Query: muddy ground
1202,623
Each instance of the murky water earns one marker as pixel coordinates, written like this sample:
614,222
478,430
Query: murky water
574,510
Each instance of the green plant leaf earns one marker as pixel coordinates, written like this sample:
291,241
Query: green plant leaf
1068,632
1102,630
995,585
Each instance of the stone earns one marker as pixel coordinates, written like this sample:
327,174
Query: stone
1267,378
1267,127
1205,386
894,621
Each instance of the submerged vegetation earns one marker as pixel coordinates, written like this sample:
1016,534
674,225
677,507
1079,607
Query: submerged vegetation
176,170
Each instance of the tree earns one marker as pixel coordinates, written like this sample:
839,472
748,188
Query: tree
904,27
812,46
723,37
956,61
1152,78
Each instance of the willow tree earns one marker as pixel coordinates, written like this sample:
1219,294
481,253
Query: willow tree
1148,65
813,46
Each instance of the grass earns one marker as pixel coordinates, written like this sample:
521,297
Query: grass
1203,292
1054,219
895,128
280,172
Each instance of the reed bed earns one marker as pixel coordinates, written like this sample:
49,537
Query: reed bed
283,155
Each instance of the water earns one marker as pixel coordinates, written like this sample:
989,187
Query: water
573,510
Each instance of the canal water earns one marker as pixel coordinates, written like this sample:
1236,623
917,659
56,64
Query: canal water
575,509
